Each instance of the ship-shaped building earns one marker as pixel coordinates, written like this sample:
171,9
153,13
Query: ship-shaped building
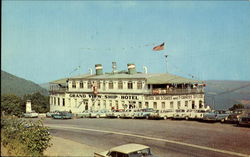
120,90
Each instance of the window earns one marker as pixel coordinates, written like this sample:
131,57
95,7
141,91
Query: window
81,84
89,85
186,103
63,102
120,85
163,105
111,85
179,104
58,101
149,86
130,85
200,104
146,104
73,84
155,105
54,101
171,104
104,103
193,104
99,85
139,85
140,105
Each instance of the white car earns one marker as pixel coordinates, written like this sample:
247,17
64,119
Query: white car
164,114
129,113
127,150
180,114
98,114
30,114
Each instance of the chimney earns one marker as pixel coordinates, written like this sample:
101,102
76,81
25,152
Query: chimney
98,69
131,68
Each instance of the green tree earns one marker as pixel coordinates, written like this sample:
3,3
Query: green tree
39,102
236,106
12,104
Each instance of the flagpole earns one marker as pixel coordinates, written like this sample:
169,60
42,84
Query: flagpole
166,63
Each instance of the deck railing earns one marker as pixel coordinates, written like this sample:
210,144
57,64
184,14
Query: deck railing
177,91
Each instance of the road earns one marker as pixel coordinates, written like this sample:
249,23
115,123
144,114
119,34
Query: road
167,138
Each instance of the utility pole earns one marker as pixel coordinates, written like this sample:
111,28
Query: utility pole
166,63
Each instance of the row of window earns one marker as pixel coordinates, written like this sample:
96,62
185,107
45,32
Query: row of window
110,85
56,101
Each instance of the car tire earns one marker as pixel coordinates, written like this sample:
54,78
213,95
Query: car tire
186,118
165,117
98,116
222,121
118,116
147,117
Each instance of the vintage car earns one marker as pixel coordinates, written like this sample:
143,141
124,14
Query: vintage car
31,114
180,114
114,114
98,114
143,113
164,114
84,114
127,150
62,115
129,113
244,120
219,115
195,114
49,114
235,116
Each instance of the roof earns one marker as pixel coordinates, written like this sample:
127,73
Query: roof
129,148
163,78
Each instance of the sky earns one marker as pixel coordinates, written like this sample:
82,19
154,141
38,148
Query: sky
44,41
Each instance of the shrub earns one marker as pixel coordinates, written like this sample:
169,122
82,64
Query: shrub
25,138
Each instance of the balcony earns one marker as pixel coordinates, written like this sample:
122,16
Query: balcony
177,91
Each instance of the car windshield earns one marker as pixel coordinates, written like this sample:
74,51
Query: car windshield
140,153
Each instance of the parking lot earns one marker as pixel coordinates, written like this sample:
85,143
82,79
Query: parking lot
165,137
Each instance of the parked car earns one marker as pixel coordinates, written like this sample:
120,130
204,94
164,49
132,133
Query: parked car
235,116
114,114
127,150
196,114
98,114
164,114
180,114
84,114
49,114
129,113
143,113
244,120
31,114
63,115
219,115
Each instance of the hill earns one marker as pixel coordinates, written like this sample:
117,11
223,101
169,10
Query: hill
227,93
11,84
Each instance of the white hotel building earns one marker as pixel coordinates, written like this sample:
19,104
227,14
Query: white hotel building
125,89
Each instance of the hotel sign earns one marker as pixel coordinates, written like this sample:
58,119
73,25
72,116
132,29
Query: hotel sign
124,97
174,97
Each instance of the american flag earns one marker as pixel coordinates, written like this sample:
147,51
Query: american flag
159,47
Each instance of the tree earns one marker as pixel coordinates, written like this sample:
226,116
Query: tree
236,106
39,102
11,104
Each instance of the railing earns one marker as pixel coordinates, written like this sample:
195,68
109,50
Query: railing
57,90
177,91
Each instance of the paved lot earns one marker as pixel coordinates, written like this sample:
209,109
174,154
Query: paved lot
165,137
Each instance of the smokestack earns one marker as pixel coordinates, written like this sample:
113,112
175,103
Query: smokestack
114,67
98,69
131,68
